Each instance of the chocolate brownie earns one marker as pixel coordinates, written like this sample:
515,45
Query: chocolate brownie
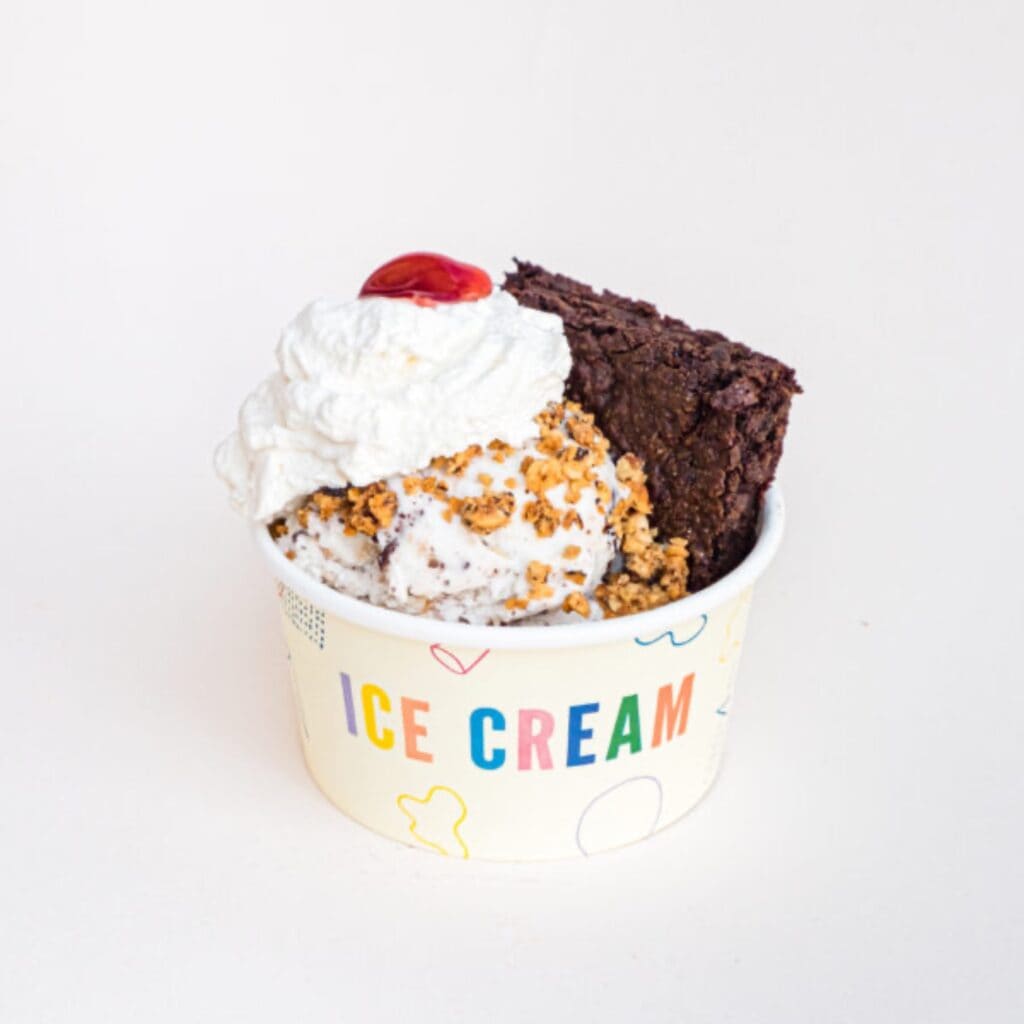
706,414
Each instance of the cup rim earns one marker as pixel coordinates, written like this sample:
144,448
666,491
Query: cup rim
583,634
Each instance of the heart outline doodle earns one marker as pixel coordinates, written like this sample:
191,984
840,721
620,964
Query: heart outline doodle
459,668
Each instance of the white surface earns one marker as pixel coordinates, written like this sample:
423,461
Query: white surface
839,184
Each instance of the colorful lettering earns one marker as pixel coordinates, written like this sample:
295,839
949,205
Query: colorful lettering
577,734
627,727
672,711
477,748
350,707
383,738
535,729
413,730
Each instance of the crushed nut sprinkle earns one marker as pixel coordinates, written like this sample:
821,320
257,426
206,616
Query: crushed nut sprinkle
630,470
426,485
361,509
576,464
487,513
537,577
551,443
576,602
646,562
537,572
499,450
371,508
629,514
637,535
543,516
551,417
543,474
570,452
572,518
655,573
582,432
582,429
326,505
453,509
623,595
457,464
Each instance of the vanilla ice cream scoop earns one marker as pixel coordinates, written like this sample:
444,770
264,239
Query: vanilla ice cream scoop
493,534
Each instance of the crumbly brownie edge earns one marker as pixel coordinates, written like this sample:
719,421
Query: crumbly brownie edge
708,415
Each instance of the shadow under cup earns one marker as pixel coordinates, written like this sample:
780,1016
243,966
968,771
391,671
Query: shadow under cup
516,743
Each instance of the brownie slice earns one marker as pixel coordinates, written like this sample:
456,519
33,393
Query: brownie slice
706,414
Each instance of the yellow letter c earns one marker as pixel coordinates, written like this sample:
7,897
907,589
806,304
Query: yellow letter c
383,738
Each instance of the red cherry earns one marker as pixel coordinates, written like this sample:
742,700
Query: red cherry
428,278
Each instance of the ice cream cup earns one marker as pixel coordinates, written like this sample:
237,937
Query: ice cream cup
516,743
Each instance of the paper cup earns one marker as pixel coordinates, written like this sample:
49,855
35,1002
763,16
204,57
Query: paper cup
516,743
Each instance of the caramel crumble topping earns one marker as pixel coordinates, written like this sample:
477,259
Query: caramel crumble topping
362,509
571,518
543,516
487,513
655,574
537,577
371,508
565,467
576,602
543,474
326,505
499,450
537,572
551,442
458,463
454,509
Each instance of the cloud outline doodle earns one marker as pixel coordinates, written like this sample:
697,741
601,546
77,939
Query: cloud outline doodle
414,821
611,789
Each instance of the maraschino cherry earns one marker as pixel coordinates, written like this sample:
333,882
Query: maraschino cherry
427,278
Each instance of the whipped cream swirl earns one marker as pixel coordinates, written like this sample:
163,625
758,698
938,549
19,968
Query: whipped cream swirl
372,387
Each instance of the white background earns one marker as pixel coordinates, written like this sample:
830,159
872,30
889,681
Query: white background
838,184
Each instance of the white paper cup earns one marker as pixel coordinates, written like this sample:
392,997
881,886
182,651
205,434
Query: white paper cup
524,743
